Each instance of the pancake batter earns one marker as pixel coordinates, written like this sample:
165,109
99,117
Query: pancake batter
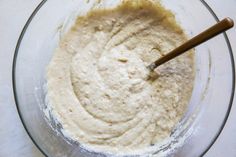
97,79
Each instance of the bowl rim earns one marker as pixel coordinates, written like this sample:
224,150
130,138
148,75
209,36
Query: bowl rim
22,36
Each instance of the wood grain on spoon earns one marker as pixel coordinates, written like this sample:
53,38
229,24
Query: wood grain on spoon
211,32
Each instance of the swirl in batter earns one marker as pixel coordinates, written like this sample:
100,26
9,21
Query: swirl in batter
97,79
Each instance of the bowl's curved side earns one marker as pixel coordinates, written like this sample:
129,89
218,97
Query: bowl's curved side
13,71
233,79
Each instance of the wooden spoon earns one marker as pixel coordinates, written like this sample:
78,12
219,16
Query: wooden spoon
211,32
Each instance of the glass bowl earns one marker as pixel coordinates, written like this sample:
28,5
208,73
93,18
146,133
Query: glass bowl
211,99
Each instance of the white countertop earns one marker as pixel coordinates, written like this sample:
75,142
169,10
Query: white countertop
14,141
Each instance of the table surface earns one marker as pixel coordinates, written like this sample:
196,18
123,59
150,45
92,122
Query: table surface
14,141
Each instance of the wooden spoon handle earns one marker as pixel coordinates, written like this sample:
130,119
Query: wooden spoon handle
211,32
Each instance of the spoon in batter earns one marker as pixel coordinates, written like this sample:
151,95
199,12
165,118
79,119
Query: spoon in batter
211,32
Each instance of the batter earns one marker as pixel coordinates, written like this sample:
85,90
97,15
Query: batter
98,84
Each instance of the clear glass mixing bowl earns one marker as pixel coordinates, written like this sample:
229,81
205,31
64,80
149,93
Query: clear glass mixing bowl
211,99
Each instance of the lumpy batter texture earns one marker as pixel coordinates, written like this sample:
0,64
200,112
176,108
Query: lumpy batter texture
99,88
